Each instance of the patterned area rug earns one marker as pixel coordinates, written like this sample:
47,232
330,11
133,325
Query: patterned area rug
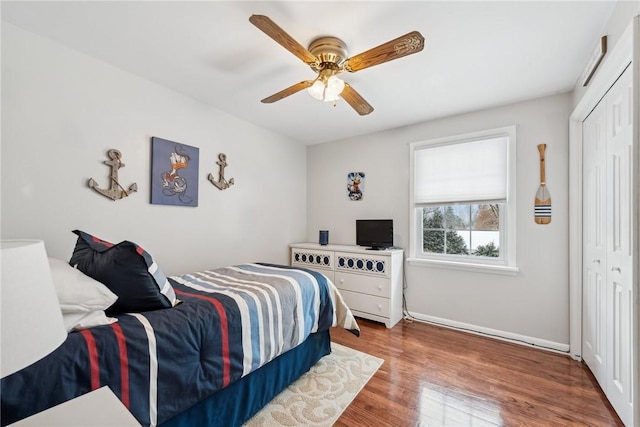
319,397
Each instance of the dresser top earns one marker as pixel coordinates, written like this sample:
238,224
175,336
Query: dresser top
344,248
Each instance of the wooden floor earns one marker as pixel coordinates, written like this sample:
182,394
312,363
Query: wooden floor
435,376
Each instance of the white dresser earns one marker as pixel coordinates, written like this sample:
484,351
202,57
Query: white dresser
370,281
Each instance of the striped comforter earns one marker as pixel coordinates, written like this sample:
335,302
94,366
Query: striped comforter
232,321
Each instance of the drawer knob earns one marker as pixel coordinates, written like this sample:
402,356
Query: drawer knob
379,287
379,307
341,281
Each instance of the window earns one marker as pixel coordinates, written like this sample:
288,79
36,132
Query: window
463,201
462,230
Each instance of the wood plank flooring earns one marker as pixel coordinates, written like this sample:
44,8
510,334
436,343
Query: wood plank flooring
435,376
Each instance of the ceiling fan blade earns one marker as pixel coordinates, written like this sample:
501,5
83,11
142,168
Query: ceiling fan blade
270,28
408,44
288,91
356,101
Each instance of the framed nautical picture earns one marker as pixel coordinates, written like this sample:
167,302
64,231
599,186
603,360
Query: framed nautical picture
355,185
174,173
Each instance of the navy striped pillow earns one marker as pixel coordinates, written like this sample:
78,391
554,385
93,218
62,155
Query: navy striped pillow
127,270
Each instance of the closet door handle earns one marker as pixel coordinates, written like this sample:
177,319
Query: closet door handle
616,269
596,261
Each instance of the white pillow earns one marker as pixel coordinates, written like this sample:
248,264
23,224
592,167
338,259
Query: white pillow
77,292
77,321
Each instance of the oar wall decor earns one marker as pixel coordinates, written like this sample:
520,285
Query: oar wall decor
542,206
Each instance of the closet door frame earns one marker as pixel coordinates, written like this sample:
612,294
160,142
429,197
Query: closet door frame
623,53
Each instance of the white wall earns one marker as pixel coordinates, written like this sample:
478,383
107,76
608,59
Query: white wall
62,111
532,305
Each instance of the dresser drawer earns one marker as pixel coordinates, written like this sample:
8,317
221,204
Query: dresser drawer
376,286
312,258
371,264
366,303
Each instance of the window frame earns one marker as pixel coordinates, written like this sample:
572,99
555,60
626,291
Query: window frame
506,264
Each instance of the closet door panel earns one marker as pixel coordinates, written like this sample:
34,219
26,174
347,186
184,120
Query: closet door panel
594,243
619,246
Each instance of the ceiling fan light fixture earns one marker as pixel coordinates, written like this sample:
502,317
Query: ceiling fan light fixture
335,85
328,91
330,98
317,90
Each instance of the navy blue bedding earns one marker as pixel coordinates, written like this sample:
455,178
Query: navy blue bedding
159,363
234,405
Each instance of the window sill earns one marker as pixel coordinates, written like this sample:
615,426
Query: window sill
464,266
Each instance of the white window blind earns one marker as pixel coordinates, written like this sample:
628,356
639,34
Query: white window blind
473,171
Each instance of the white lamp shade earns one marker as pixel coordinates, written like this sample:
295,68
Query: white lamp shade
32,324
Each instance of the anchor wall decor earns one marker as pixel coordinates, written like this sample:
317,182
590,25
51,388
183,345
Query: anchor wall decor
115,191
222,183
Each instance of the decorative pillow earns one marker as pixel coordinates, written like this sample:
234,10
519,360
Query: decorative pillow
77,292
127,270
78,321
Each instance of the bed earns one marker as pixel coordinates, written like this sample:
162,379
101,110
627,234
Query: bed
221,345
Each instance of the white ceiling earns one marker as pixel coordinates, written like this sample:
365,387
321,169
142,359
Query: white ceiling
477,54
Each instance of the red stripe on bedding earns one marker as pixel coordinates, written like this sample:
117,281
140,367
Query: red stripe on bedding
93,359
226,364
124,363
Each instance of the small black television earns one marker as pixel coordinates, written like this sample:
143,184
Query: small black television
375,234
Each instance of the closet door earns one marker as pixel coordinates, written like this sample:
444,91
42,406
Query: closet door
594,271
619,246
608,245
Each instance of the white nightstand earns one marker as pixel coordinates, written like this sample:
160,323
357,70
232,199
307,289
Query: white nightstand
99,408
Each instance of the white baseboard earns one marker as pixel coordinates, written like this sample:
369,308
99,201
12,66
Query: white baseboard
493,333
